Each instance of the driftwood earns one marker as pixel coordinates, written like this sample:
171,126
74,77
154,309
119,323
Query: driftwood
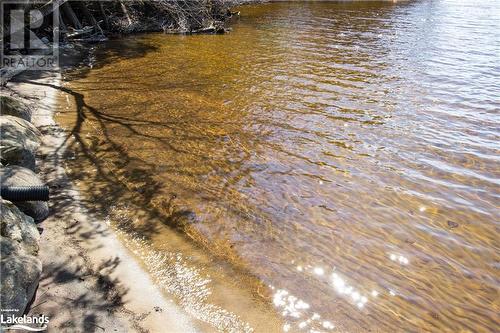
125,11
50,6
91,18
62,26
70,14
80,32
103,13
137,15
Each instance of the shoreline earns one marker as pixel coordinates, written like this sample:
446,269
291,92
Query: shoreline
90,281
202,284
98,273
317,161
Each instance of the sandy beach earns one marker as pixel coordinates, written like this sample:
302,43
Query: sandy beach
90,283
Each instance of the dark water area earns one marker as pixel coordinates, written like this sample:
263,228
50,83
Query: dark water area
344,154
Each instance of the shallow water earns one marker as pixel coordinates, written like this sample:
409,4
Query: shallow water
344,154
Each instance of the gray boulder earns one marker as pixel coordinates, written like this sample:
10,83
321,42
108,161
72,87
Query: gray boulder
20,276
14,107
20,268
19,227
19,141
19,176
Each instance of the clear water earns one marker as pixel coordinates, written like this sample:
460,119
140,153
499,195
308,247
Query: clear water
346,155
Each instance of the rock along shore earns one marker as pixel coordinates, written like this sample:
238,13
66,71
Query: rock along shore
56,260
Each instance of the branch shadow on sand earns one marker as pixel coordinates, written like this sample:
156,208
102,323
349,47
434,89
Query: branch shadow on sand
83,309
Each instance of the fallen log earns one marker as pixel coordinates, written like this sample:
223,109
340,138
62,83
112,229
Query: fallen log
70,14
80,32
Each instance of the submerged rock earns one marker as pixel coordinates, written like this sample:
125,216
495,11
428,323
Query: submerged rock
20,268
19,142
14,107
19,176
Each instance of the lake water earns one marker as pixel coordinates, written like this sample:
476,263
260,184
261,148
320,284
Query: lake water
342,158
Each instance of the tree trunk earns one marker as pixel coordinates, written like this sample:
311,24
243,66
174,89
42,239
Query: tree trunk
104,16
70,14
125,11
91,18
62,26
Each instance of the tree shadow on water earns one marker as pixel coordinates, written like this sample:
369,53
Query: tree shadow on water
112,178
133,185
119,177
84,55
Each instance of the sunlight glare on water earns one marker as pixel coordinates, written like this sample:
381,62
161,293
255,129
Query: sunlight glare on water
344,154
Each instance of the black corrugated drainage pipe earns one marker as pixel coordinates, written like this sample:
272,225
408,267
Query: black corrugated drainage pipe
25,193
